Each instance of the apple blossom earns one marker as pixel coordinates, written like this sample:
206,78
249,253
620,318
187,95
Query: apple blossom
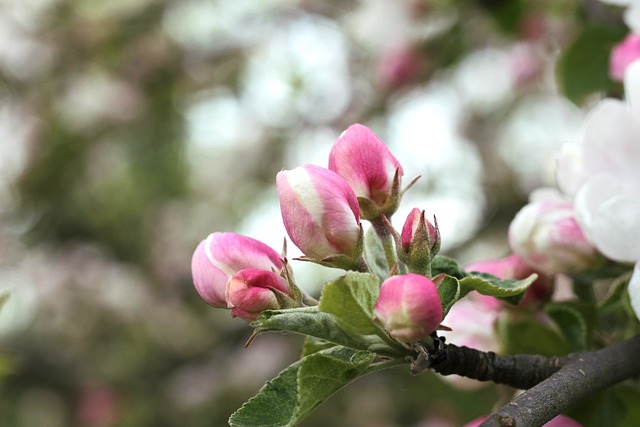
251,291
320,212
546,235
222,254
408,307
368,166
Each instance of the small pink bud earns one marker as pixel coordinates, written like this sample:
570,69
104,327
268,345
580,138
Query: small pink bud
222,254
514,268
320,211
408,307
251,291
546,235
623,54
368,166
419,242
413,234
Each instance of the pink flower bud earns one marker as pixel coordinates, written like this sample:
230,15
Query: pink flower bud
418,230
251,291
623,54
408,307
368,166
222,254
320,211
546,235
514,268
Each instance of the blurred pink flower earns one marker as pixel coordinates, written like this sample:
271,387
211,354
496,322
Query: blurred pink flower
513,267
320,211
399,64
408,307
623,54
547,236
97,408
222,254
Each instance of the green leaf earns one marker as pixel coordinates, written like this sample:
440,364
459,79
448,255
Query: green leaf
449,293
583,68
374,254
351,299
311,322
274,405
300,388
449,266
323,374
487,284
575,320
524,334
313,345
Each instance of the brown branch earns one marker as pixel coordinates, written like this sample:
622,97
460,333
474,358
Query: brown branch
520,371
583,375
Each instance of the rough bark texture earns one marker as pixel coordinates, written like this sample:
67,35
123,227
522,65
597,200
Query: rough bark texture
582,375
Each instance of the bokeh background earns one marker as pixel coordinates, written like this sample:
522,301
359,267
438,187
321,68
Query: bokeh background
131,129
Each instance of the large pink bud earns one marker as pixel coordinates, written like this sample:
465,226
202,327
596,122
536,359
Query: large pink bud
546,235
408,307
366,163
221,255
320,211
251,291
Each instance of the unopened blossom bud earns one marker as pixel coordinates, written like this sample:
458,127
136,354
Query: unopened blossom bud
420,241
623,54
222,254
320,212
408,307
251,291
547,236
368,166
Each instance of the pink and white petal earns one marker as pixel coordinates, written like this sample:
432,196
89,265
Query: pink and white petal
232,252
209,281
634,289
616,228
612,141
297,200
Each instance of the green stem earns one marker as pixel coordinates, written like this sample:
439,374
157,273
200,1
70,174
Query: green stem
387,242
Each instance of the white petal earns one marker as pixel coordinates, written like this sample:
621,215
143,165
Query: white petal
616,229
612,141
634,290
632,86
590,197
570,171
632,17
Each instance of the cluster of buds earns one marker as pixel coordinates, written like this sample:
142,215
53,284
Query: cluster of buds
322,209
